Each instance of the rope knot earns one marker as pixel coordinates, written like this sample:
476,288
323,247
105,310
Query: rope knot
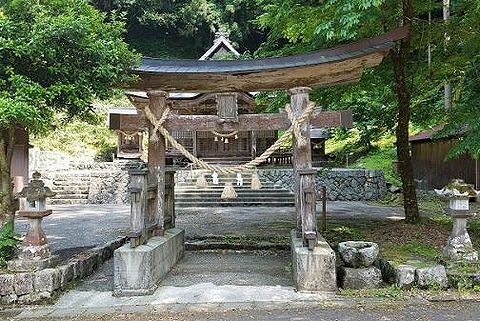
157,123
297,122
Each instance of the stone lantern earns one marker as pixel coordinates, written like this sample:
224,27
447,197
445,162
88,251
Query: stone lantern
459,245
34,252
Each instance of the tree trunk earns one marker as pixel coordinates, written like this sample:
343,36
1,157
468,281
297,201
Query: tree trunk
399,57
7,200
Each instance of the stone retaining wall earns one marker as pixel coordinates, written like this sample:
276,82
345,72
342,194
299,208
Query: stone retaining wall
30,287
343,184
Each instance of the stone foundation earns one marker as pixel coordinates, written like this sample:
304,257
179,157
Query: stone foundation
138,271
31,287
343,184
313,270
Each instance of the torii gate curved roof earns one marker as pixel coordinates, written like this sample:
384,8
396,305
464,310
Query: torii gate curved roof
337,65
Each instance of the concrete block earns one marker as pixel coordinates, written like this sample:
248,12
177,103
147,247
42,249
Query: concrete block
137,271
313,270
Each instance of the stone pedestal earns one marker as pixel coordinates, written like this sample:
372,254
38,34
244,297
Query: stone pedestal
313,270
34,252
459,245
138,271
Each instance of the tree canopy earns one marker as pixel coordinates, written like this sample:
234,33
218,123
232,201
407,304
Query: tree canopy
56,56
185,28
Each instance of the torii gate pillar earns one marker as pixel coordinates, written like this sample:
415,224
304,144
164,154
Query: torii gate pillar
156,164
313,259
302,157
156,245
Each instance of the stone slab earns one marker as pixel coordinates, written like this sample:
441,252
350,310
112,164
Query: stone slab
313,270
138,271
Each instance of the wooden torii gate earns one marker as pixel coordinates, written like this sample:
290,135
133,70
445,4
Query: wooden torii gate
295,74
157,100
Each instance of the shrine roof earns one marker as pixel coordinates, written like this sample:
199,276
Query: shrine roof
341,64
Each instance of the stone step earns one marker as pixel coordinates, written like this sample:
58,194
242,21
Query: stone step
209,197
72,180
67,201
235,204
70,196
221,187
239,193
270,193
69,188
218,199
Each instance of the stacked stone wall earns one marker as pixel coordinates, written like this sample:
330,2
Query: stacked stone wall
31,287
342,184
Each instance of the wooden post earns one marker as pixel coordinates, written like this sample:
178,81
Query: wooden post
156,164
302,158
169,212
323,221
253,144
307,202
138,207
194,138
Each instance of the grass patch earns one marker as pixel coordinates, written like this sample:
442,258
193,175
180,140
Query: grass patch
401,253
380,159
390,292
342,233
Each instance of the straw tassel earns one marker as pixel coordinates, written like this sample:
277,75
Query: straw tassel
229,191
201,181
256,184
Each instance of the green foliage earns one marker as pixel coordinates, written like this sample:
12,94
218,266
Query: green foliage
184,28
106,153
57,55
8,242
79,138
381,159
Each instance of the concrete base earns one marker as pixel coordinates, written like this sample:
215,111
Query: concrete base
138,271
313,270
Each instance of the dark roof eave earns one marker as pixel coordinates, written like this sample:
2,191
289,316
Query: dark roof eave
152,66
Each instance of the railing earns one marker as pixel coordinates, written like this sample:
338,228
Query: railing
283,157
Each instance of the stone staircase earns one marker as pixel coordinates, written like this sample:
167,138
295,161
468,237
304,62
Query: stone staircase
270,195
72,187
227,161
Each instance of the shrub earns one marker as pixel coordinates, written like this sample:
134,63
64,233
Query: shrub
8,243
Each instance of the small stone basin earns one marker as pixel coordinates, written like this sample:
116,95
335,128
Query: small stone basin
358,254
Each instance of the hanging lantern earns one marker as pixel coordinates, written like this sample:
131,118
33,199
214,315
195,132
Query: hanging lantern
215,139
226,140
236,136
221,138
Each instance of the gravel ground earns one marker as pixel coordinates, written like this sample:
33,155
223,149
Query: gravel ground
77,226
439,311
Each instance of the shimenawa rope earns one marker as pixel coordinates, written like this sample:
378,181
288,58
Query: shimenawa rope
294,128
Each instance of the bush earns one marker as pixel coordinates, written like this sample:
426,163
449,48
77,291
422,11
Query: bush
106,153
8,243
